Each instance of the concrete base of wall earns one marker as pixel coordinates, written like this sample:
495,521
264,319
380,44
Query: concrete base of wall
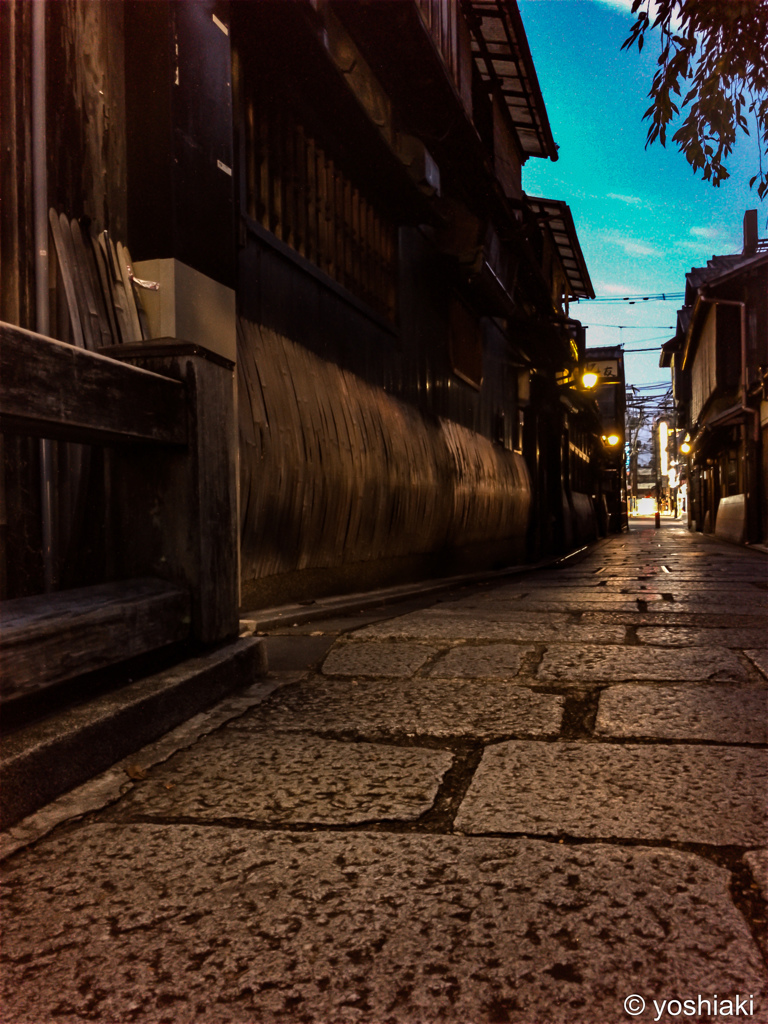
312,584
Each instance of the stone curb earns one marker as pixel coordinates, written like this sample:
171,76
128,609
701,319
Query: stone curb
263,619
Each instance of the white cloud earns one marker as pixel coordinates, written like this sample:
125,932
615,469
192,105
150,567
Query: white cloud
606,288
631,246
689,246
625,6
622,5
631,200
708,232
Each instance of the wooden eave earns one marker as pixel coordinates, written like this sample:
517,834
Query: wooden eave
554,216
502,56
668,351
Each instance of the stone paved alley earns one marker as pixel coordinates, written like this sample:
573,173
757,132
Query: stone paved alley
523,801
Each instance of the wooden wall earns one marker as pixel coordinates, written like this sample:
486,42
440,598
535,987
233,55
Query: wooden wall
86,112
86,168
333,470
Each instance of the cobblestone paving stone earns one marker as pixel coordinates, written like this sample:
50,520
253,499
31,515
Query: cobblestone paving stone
725,715
616,663
658,616
356,659
492,661
686,636
210,924
627,792
442,624
310,780
522,803
622,603
386,709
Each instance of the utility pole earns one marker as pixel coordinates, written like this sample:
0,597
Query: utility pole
675,457
657,469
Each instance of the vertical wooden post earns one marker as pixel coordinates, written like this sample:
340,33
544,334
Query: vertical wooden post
176,512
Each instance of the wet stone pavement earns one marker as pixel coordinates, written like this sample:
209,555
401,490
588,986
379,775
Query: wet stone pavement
543,800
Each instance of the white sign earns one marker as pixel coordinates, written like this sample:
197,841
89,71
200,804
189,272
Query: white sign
608,369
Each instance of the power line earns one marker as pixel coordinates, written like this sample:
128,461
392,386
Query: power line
644,341
632,299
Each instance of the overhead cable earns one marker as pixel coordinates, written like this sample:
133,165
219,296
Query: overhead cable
632,299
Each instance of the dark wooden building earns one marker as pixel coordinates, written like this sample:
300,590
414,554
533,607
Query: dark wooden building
606,364
718,359
325,201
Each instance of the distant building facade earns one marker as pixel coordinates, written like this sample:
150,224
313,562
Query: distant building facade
609,392
719,364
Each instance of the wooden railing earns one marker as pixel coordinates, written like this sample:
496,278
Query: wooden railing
169,421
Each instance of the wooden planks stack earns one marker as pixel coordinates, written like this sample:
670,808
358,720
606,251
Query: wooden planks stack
95,305
334,470
98,288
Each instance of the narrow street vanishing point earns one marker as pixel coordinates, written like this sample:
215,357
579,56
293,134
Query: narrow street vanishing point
541,799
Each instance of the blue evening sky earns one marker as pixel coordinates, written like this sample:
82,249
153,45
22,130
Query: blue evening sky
642,216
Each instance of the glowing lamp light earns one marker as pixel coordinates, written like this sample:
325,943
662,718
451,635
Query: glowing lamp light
589,379
685,447
612,440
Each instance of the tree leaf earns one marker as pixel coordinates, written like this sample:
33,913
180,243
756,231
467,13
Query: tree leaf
718,52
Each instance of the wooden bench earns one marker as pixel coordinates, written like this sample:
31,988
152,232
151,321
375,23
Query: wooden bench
169,421
50,638
51,389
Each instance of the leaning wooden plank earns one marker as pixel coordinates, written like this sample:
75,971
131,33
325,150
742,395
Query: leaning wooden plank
122,298
136,290
89,307
48,639
51,389
85,314
116,289
107,330
106,292
66,271
126,271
